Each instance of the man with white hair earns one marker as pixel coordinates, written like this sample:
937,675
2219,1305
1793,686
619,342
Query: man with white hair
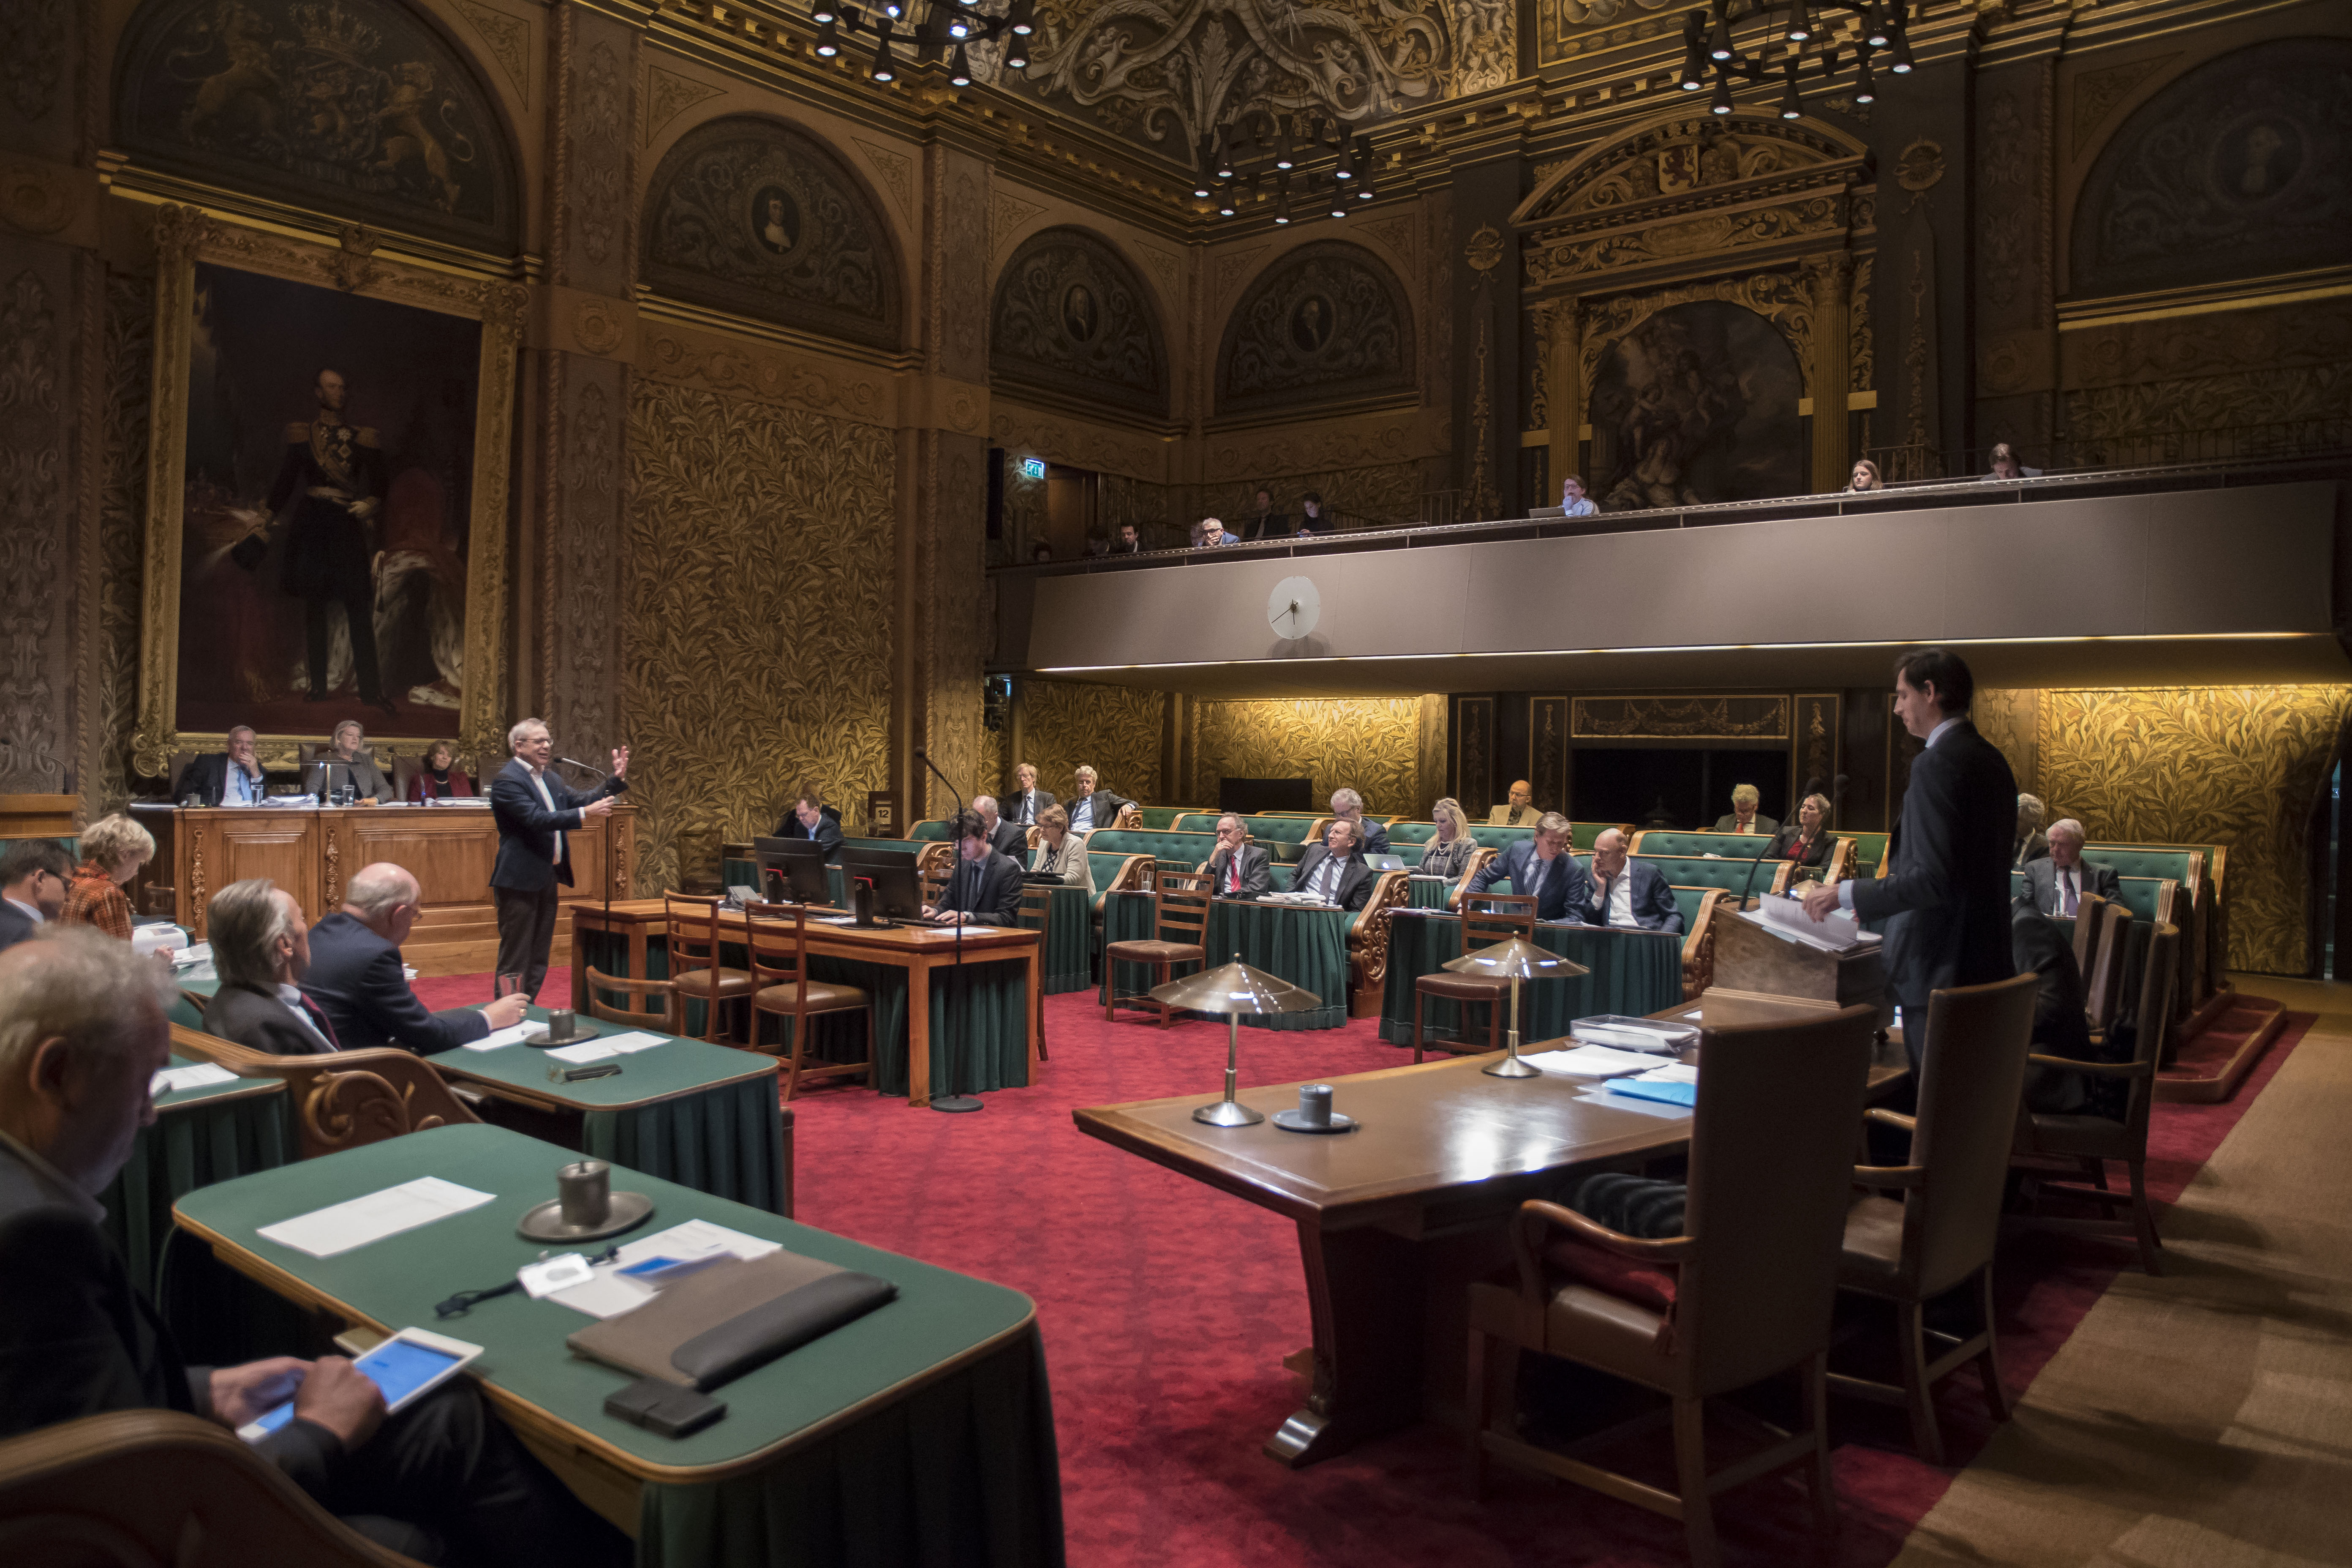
2033,844
1091,808
536,813
1628,893
261,951
1371,839
356,978
83,1031
1004,837
2057,882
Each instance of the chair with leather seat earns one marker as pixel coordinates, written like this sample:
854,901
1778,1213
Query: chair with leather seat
1487,919
2103,974
1744,1294
1940,1233
2067,1154
776,942
696,974
1180,903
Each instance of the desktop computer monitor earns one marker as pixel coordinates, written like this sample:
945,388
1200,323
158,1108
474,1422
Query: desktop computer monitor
793,865
897,891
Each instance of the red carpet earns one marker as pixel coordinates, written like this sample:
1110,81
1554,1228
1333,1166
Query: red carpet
1167,1309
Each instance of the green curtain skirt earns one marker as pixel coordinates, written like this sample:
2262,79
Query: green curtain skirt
1634,972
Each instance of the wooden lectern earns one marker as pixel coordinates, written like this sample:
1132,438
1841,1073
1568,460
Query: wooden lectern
1763,977
38,817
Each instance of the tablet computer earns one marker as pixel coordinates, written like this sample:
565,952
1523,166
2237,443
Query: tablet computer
407,1366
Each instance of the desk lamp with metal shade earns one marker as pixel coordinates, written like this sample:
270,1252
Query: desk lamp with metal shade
1516,959
1234,990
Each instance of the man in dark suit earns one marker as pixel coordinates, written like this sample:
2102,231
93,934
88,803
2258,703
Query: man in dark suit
811,818
232,777
2033,844
1744,816
1264,523
2057,882
1348,806
33,878
1090,807
984,888
536,813
2060,1027
442,1479
261,951
1026,804
356,975
1333,870
1945,897
1626,893
1542,866
1241,869
1004,837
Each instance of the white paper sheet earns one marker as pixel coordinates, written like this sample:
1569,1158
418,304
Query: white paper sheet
611,1293
1657,1107
585,1051
1786,917
1591,1062
625,1045
195,1077
498,1039
324,1233
1678,1072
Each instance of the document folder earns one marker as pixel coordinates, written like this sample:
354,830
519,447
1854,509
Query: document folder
731,1318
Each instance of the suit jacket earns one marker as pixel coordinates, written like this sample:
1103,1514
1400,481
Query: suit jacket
1817,854
16,925
2041,881
1011,805
2059,1028
1654,903
1375,839
1070,864
1356,879
1107,808
1009,838
1946,899
2036,848
259,1021
1567,892
992,898
1447,861
1257,872
206,778
527,829
1503,816
356,981
77,1339
421,786
367,779
1731,824
827,831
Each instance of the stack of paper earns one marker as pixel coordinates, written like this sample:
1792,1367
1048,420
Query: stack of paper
195,1077
1593,1061
610,1046
1786,917
611,1293
323,1233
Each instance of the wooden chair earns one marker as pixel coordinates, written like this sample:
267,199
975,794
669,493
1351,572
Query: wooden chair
344,1098
1470,870
1035,914
2103,977
138,1487
1182,902
1745,1294
1942,1229
1487,919
2065,1152
695,973
776,936
670,1017
2089,917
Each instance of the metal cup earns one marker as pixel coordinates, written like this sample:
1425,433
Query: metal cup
1315,1104
560,1023
585,1191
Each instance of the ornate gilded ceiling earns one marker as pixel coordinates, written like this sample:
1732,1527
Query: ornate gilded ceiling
1163,74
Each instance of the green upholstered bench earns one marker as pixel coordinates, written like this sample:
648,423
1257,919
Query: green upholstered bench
1180,852
1162,818
927,831
1699,904
1869,854
903,845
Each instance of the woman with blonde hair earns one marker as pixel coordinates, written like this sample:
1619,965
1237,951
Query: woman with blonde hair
1448,854
112,851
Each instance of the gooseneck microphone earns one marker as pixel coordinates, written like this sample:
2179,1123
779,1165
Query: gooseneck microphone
954,1102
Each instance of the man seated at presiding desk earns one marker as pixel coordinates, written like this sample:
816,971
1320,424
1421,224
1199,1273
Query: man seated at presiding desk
1348,806
347,763
33,877
811,818
82,1032
1026,805
1745,817
2057,882
1004,837
231,778
1334,871
1521,812
261,951
1241,869
1542,865
984,888
1090,807
1627,893
1060,852
357,980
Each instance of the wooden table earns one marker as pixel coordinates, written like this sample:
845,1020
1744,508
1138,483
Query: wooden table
917,949
314,852
1396,1218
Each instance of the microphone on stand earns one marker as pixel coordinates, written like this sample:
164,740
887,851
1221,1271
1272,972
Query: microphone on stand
605,875
953,1102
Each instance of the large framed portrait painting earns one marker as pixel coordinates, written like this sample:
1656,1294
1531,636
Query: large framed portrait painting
322,505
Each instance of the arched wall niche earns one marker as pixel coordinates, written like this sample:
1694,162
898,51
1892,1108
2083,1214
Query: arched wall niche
1327,321
1072,321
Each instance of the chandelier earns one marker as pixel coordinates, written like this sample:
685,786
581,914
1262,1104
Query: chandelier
1709,51
945,27
1305,164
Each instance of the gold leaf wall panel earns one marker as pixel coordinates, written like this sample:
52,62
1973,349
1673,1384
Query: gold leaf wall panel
1372,746
2011,719
2240,766
1115,730
757,647
128,347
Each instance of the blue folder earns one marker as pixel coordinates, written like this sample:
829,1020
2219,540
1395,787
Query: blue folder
1672,1094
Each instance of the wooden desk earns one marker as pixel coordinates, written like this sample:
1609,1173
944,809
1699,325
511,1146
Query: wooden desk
918,950
1396,1218
313,852
199,1136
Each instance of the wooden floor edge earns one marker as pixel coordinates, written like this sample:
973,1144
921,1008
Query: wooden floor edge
2221,1085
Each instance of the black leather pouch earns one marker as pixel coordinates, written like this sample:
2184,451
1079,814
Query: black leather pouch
662,1406
760,1334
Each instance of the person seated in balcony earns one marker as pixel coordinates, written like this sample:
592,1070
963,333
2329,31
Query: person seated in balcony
1128,542
1310,514
2005,464
1573,501
1213,533
440,777
1807,840
1520,812
1264,523
1744,817
1448,853
1865,478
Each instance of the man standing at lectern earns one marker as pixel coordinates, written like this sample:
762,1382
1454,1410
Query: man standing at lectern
1945,897
536,813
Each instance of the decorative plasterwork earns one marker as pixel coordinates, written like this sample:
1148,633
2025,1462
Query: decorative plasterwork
508,40
894,171
719,363
669,95
1008,214
1081,443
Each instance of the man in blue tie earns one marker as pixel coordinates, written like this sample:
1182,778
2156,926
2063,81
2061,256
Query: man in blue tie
1542,866
230,777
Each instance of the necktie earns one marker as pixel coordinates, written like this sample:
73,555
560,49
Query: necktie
1234,873
1536,880
2067,877
319,1019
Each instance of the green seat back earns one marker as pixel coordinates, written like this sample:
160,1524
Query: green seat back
1180,850
1283,875
904,847
929,832
1160,816
1731,875
2141,861
1191,821
1411,832
1102,869
1740,845
1688,900
1869,849
1489,837
2138,894
1274,827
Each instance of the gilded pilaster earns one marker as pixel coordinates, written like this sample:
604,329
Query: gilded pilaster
1832,279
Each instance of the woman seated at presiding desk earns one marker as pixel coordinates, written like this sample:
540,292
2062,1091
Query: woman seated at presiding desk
1808,841
439,777
1060,852
347,761
1448,853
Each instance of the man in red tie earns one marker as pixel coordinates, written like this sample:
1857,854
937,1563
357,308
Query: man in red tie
1240,868
261,951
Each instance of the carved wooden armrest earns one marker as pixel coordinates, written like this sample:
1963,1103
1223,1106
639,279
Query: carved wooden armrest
1535,1218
